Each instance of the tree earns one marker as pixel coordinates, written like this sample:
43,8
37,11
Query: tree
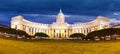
20,32
41,35
77,35
103,33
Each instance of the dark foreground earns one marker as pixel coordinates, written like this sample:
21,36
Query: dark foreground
24,46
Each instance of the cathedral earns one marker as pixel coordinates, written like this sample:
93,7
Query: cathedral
60,28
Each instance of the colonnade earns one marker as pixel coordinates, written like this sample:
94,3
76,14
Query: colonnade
33,30
31,27
84,30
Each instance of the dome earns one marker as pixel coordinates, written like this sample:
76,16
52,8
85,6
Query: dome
60,17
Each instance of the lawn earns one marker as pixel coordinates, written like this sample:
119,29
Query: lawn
13,46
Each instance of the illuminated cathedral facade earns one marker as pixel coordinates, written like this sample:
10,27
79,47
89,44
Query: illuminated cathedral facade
60,28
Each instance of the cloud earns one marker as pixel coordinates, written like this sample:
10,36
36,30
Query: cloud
50,18
41,18
69,6
115,21
116,13
36,15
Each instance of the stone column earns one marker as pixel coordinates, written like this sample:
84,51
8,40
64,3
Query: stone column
33,31
58,34
36,30
65,33
80,30
27,29
83,30
53,32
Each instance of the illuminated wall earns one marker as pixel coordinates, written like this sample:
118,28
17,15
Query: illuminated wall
60,28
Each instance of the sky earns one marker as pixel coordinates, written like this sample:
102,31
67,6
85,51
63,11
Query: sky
45,11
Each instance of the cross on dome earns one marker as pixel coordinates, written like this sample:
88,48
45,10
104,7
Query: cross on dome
60,11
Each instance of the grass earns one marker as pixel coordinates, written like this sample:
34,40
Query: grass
17,46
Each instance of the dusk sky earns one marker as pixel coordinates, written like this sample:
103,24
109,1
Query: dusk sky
45,11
